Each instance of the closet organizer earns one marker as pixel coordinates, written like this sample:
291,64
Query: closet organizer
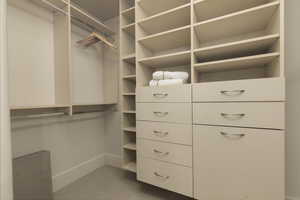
49,72
221,136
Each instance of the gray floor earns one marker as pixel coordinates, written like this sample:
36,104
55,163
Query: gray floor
110,183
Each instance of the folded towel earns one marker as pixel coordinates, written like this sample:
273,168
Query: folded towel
161,75
154,83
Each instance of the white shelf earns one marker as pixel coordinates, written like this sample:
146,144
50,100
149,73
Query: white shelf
236,63
79,14
208,9
169,60
130,146
129,129
130,29
129,14
53,5
129,94
238,48
243,22
176,38
129,58
129,111
131,166
156,6
130,77
168,20
38,107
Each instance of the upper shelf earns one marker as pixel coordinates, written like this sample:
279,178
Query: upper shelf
129,14
243,22
88,19
53,5
170,19
156,6
208,9
130,29
168,40
235,49
129,59
236,63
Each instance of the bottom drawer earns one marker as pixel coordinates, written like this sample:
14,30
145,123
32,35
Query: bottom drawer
168,176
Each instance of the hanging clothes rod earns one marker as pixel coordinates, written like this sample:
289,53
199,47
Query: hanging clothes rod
35,116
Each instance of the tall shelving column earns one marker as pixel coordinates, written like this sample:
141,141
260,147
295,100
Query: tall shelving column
128,83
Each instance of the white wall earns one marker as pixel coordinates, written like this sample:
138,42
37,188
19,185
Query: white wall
293,97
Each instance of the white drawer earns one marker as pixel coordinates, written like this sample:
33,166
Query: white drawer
270,89
165,132
175,94
238,163
173,153
257,115
165,175
164,112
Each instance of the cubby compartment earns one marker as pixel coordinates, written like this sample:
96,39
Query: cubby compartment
129,160
129,68
209,9
38,55
128,16
129,122
149,8
129,141
128,45
128,86
129,103
126,4
171,19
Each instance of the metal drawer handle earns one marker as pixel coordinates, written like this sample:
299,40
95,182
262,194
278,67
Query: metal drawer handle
233,116
160,133
232,136
232,93
161,176
160,114
160,95
160,152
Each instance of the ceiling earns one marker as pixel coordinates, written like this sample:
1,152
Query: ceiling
103,9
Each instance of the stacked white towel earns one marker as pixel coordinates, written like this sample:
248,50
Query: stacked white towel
161,78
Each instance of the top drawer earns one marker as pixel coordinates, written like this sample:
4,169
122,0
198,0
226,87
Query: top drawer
269,89
172,94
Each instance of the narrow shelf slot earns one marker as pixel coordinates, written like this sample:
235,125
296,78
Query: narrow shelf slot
130,77
240,23
173,39
131,166
129,129
129,58
236,63
153,7
130,29
129,94
171,19
251,46
130,146
129,14
129,111
209,9
168,60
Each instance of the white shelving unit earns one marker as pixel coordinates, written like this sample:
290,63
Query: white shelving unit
128,83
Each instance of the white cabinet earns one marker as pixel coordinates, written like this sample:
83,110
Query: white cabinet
238,163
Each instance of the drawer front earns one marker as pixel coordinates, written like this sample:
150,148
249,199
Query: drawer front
271,89
165,132
168,176
165,112
175,94
257,115
238,163
173,153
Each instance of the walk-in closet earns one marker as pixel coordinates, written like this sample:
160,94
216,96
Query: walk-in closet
149,100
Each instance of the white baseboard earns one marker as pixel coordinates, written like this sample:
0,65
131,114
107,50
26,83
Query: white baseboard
113,160
69,176
292,198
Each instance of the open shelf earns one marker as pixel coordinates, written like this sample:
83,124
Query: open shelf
130,77
156,6
37,107
238,48
247,21
169,60
236,63
129,111
131,166
129,129
129,14
129,58
130,29
53,5
79,16
208,9
129,94
167,40
171,19
130,146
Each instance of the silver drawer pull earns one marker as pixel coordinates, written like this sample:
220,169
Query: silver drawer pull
232,93
160,114
160,95
160,134
160,153
232,136
233,116
161,176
